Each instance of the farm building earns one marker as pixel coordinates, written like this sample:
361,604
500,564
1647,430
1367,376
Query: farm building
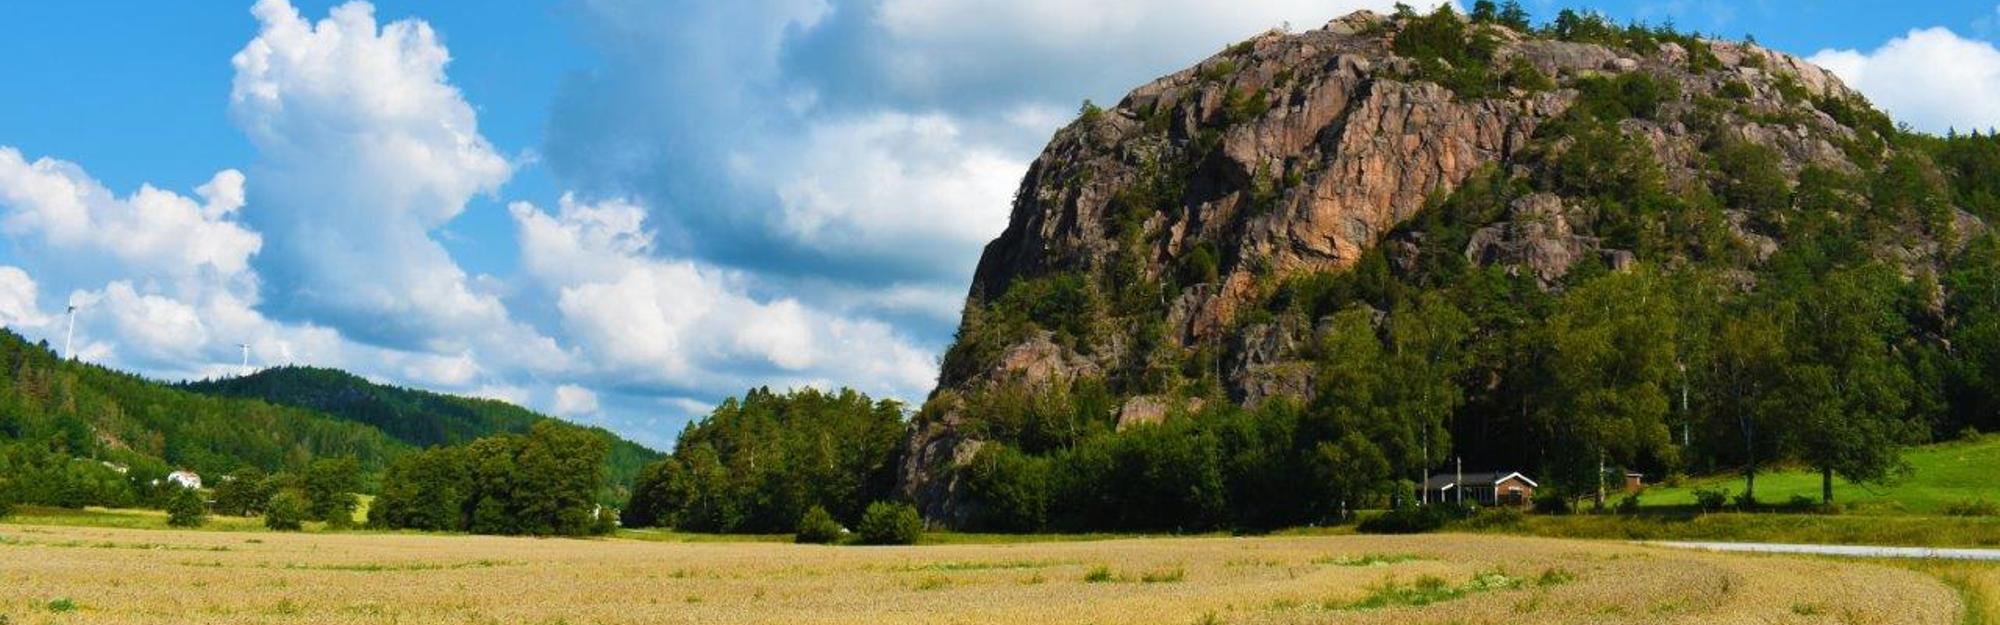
185,479
1484,488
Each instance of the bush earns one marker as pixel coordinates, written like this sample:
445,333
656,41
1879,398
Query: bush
186,509
1977,507
1710,499
818,527
605,523
1552,502
891,523
1970,434
1629,504
285,512
1495,517
1746,501
341,514
1406,520
1801,502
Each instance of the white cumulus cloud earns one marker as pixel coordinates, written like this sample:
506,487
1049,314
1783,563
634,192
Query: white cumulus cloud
18,294
574,401
912,188
56,208
363,149
665,321
1931,78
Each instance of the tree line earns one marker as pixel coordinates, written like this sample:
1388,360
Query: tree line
545,482
757,464
74,434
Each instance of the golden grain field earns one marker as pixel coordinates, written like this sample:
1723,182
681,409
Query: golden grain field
54,574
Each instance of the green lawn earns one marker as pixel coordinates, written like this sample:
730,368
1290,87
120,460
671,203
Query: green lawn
129,518
139,518
1941,474
1772,527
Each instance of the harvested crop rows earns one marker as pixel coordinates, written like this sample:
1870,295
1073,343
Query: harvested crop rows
97,575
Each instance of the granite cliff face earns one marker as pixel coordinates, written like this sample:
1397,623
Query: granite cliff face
1296,153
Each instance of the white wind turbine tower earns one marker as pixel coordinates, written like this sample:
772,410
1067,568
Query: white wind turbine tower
69,336
246,357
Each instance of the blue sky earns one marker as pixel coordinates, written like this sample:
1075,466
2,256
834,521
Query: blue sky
621,211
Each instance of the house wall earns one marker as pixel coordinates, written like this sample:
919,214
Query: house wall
1502,491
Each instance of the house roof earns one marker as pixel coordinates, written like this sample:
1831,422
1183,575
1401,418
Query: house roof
1483,478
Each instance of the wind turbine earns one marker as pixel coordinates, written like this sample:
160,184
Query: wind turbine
246,357
69,336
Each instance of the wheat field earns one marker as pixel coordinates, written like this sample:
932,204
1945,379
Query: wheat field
51,574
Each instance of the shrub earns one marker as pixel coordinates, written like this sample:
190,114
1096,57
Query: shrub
1099,574
1406,520
818,527
341,516
1710,499
1163,576
1977,507
605,523
1552,502
891,523
1801,502
1089,113
1499,516
186,509
1629,504
1746,501
285,512
1634,94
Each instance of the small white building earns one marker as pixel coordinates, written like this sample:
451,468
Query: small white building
185,479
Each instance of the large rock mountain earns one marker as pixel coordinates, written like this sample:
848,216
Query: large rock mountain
1169,216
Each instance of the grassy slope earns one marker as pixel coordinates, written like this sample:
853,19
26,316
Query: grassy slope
1941,474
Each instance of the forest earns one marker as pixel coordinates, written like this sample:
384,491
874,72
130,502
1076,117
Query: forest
417,417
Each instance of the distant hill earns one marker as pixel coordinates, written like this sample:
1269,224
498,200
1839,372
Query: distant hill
78,410
416,417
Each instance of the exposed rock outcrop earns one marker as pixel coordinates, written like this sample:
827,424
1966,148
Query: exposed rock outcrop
1290,154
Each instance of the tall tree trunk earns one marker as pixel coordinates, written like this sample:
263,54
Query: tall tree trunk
1750,455
1826,485
1600,481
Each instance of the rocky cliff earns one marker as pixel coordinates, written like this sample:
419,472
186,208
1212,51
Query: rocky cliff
1146,239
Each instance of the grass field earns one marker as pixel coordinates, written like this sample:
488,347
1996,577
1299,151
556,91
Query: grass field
68,574
135,518
1941,474
1775,527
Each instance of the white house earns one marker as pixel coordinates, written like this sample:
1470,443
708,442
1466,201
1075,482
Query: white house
185,479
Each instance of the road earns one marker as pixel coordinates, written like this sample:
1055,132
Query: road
1854,551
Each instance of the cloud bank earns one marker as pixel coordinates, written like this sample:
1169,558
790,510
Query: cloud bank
1931,78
